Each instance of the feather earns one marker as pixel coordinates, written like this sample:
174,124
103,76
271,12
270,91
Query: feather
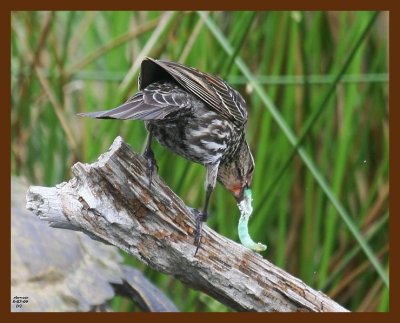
158,101
219,95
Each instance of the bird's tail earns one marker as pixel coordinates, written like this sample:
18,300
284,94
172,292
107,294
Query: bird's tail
135,108
131,109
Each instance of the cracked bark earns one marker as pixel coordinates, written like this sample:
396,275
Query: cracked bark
110,201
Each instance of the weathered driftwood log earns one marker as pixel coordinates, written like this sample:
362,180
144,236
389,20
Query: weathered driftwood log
111,201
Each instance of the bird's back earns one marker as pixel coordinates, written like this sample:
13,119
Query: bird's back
215,92
199,134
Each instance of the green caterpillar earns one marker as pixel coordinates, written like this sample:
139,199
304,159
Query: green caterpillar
246,209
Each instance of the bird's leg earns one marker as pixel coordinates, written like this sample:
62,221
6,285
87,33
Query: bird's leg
211,179
149,155
200,218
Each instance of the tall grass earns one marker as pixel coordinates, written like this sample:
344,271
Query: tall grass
316,84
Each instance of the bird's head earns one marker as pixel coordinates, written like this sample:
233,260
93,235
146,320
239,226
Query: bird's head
237,174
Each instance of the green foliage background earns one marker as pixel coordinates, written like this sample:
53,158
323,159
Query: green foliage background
319,76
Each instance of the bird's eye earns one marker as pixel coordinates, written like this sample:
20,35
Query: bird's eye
251,169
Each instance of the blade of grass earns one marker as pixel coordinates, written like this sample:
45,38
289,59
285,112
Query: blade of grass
345,261
311,79
118,41
57,109
67,36
192,39
246,29
384,302
34,57
80,31
130,78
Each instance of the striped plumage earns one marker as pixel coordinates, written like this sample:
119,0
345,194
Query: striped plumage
196,115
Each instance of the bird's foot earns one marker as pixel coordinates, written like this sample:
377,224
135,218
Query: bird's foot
151,164
200,218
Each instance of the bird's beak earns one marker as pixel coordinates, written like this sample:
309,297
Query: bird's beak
238,192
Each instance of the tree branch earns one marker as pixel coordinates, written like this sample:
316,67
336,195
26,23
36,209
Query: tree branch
110,200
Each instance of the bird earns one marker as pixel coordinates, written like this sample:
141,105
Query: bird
196,115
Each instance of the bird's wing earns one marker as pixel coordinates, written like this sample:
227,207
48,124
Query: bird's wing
211,89
156,102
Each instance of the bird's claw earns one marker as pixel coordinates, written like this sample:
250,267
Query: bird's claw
200,218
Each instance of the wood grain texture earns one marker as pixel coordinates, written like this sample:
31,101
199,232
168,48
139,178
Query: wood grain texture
110,200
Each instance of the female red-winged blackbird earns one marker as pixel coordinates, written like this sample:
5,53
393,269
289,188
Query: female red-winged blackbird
196,115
